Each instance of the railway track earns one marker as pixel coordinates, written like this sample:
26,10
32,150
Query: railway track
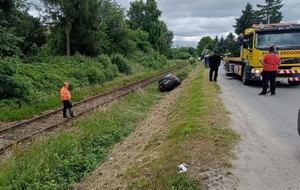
18,132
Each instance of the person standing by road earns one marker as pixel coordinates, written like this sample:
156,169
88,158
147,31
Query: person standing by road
214,63
206,61
65,96
270,64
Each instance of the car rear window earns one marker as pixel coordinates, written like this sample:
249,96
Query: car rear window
163,80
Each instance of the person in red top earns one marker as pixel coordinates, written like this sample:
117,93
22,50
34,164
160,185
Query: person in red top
65,97
270,64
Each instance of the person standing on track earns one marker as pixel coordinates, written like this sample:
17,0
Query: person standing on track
65,96
214,63
270,64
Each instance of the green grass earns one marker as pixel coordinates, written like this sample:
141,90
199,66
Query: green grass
16,112
65,158
198,135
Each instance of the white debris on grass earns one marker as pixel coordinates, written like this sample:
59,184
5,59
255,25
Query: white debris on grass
182,168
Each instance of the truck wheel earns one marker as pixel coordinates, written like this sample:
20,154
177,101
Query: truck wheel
227,69
244,79
294,83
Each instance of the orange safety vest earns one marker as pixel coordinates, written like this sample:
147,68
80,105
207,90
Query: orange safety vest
65,94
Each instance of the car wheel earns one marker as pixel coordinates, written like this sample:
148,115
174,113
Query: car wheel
226,70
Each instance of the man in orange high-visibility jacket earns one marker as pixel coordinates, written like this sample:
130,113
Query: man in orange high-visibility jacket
65,97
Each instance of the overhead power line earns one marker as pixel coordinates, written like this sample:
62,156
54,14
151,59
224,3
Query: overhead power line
291,7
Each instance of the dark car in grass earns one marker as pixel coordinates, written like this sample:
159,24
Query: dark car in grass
168,82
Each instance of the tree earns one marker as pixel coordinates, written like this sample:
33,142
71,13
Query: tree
136,15
269,12
146,17
246,20
32,31
140,39
9,42
221,46
231,45
216,43
62,13
70,17
112,31
166,39
182,52
88,33
203,43
9,38
91,27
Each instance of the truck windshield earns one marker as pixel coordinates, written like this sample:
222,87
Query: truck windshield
282,39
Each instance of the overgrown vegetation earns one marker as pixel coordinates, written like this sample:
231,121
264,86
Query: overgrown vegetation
65,158
87,43
197,135
34,87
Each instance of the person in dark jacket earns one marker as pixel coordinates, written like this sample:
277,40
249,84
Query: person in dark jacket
214,63
241,41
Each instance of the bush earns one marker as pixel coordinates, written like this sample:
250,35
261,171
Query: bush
192,60
148,61
183,55
161,59
104,60
95,76
111,71
11,84
79,58
154,60
38,81
79,75
6,70
122,63
21,88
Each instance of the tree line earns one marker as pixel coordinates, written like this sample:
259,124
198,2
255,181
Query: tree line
266,13
89,27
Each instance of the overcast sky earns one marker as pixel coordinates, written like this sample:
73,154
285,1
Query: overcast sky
192,19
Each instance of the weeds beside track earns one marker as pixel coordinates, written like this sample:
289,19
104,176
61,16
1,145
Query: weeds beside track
16,133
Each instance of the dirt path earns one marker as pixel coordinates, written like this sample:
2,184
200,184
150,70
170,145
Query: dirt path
124,154
109,174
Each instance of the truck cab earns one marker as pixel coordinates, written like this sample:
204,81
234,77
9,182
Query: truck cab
257,41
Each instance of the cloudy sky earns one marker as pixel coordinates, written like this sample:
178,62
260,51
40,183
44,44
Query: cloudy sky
192,19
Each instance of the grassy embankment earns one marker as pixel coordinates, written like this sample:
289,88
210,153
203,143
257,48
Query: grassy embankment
46,76
197,135
57,161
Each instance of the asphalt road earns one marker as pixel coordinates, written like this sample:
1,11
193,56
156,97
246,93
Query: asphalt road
268,156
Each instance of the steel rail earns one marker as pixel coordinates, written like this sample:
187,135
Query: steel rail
135,86
82,101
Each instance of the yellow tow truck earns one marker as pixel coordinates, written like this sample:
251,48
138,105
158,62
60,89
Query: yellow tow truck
258,39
